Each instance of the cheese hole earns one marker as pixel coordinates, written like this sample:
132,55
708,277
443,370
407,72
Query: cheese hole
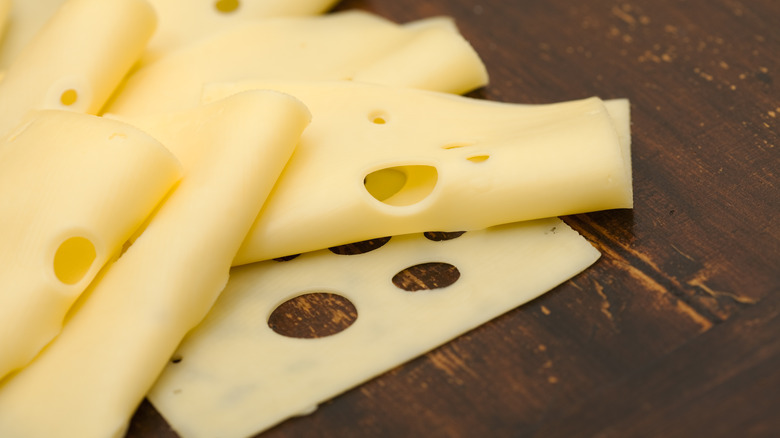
439,236
73,259
456,145
286,258
227,6
313,315
426,276
359,247
377,118
69,97
401,185
478,158
176,359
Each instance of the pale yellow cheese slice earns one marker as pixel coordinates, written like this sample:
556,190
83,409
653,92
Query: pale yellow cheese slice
76,61
184,21
335,46
73,188
233,376
25,19
88,382
379,161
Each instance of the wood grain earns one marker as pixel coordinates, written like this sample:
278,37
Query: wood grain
674,332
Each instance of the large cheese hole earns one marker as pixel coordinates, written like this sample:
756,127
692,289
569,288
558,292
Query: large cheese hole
359,247
426,276
69,97
227,6
73,259
313,315
401,185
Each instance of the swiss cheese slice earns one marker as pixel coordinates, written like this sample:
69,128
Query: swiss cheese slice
233,376
73,188
25,19
184,21
76,61
88,382
336,46
379,161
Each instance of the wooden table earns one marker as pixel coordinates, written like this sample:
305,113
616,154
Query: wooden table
675,331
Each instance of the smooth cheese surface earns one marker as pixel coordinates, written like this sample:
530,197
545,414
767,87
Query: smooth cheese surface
77,59
73,189
89,381
410,160
5,9
233,376
25,19
184,21
335,46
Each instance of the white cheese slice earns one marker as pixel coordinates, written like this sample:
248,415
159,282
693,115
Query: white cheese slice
379,161
25,20
233,376
89,380
184,21
76,61
334,46
73,188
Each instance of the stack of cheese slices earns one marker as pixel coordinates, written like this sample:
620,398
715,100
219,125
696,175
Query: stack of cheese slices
156,156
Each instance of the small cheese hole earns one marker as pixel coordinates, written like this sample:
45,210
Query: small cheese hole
176,359
359,247
69,97
286,258
456,145
227,6
313,315
426,276
402,185
478,158
73,259
439,236
378,118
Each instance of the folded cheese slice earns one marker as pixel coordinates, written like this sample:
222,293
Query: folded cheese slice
88,382
77,59
73,188
379,161
25,19
336,46
234,376
185,21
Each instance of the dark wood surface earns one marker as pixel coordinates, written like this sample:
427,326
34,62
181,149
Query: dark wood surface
675,331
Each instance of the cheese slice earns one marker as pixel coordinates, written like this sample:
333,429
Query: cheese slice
379,161
335,46
77,59
233,376
88,382
73,188
5,9
184,21
25,19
